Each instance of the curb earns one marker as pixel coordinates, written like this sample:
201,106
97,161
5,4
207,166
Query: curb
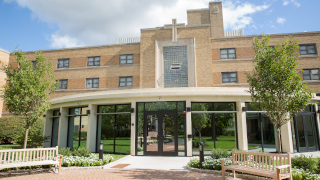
218,172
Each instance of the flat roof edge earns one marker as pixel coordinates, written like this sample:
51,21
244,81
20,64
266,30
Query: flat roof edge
197,9
281,34
2,50
187,26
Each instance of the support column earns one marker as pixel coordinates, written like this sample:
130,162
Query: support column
63,127
92,128
189,129
133,130
242,126
286,138
317,124
48,128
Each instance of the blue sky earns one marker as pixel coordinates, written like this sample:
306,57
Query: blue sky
50,24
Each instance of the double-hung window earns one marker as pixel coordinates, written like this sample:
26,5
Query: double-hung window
93,61
228,53
63,84
92,83
308,49
311,74
125,81
63,63
229,77
126,59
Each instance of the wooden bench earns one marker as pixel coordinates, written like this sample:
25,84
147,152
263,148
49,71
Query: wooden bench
11,158
276,166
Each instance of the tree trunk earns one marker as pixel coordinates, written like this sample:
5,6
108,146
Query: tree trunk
279,140
199,136
26,138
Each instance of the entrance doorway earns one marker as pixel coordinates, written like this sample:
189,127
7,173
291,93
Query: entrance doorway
160,136
305,132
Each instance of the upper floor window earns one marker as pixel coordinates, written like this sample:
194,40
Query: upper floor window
93,61
125,81
63,84
229,77
126,59
63,63
311,74
228,53
92,83
308,49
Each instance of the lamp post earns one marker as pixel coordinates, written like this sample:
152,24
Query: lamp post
201,154
101,151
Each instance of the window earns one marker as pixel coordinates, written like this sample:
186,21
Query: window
229,77
93,61
63,63
63,84
308,49
228,53
92,83
125,81
311,74
126,59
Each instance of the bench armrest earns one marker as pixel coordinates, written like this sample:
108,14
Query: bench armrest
282,167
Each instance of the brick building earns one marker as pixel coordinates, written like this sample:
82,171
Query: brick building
145,98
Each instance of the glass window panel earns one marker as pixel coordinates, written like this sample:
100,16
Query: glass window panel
233,74
253,130
152,133
129,83
300,128
303,52
123,57
306,72
124,108
107,132
233,79
201,107
232,55
231,51
129,79
97,63
130,57
83,131
122,84
122,80
181,132
224,56
181,106
223,51
140,125
66,63
168,128
129,61
225,80
122,61
89,83
311,49
96,81
123,131
107,109
250,107
223,106
76,131
309,130
90,61
224,131
60,63
314,71
306,77
315,77
160,106
303,47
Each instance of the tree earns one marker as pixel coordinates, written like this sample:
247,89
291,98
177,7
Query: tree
199,121
275,85
27,89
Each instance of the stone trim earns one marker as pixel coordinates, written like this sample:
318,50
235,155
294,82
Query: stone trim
217,172
94,67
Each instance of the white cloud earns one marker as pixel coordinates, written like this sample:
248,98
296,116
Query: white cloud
281,20
98,22
238,16
285,2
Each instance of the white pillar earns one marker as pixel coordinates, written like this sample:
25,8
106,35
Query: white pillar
189,129
63,127
286,138
48,128
92,128
317,123
242,126
133,129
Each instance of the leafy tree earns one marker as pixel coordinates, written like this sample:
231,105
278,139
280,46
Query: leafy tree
275,84
10,128
199,121
27,89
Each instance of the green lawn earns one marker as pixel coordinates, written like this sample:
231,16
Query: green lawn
122,145
10,146
116,156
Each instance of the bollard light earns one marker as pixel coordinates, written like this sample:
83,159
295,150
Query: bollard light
201,154
101,151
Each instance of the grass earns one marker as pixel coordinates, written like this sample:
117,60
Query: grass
10,146
117,157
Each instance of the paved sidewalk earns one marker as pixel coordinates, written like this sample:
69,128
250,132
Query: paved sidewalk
97,174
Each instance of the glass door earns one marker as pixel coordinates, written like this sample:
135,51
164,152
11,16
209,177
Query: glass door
160,134
55,131
305,131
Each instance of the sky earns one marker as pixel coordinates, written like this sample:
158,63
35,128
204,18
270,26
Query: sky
33,25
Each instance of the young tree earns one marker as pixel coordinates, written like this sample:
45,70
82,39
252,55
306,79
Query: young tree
27,89
275,85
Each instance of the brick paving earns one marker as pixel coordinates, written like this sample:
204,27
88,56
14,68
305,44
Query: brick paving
89,174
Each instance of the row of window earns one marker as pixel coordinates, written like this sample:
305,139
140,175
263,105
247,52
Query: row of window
230,53
308,74
94,82
95,61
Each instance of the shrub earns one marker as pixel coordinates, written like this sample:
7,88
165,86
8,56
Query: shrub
81,151
300,174
220,153
10,128
215,164
65,151
194,162
228,132
303,162
92,160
